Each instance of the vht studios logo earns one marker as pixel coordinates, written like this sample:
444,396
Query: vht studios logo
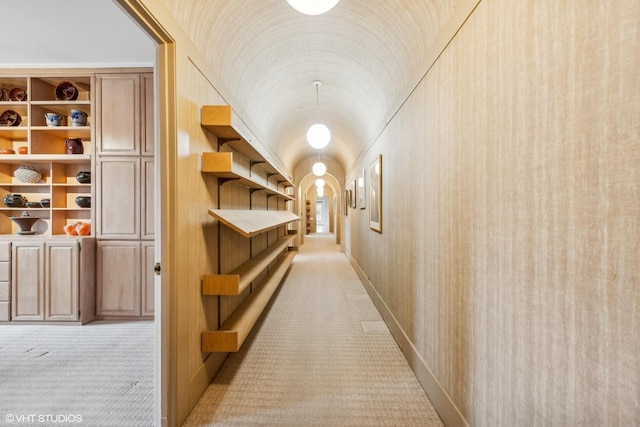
43,418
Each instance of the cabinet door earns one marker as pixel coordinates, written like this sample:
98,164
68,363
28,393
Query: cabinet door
148,278
148,115
148,199
118,278
118,208
118,105
27,280
61,281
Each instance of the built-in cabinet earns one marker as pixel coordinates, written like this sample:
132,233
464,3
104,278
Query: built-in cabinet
125,217
52,279
27,140
51,276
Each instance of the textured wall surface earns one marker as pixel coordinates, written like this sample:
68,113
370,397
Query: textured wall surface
511,206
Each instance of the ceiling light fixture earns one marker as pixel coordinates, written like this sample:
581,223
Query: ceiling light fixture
319,169
318,134
312,7
319,182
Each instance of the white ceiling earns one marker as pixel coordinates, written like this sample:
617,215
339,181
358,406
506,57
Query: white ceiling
366,52
72,33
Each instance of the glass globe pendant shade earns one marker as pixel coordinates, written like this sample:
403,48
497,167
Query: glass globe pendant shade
318,169
312,7
318,136
319,182
320,191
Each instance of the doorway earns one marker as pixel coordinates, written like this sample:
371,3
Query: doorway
322,214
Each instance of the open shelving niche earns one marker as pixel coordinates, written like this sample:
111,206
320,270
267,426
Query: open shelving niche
46,151
223,122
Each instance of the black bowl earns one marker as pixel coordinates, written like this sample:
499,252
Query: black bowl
45,203
84,177
83,201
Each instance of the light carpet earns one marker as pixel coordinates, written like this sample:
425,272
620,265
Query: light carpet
99,374
322,355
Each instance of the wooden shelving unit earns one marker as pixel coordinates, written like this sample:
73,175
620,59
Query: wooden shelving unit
239,279
223,122
233,332
222,166
46,151
275,260
250,223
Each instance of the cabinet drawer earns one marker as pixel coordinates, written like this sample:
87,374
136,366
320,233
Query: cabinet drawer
5,271
4,291
5,311
5,251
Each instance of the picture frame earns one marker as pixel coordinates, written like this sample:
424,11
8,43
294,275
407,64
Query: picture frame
347,201
375,194
361,200
354,193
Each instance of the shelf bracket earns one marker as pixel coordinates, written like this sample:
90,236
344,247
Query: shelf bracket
223,181
223,141
255,162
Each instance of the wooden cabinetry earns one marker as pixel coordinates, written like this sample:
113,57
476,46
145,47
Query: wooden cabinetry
125,278
52,279
45,149
125,220
5,281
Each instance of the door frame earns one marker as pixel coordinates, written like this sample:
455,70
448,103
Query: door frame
165,99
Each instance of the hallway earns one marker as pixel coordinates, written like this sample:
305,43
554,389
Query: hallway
321,356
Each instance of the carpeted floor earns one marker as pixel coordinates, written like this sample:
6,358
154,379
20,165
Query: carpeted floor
99,374
322,356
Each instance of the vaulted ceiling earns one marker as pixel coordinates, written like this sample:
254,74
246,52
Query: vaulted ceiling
367,53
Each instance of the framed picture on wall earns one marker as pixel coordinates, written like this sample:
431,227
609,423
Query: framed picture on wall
347,201
361,202
354,193
375,194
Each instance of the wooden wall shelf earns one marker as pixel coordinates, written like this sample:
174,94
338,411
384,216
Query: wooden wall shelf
250,223
221,165
234,331
239,279
223,122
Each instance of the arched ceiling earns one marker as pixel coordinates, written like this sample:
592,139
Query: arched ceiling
267,55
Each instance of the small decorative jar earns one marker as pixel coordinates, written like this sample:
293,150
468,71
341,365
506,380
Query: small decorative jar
74,146
14,200
84,177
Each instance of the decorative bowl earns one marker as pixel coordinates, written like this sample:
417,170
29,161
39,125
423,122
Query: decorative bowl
23,150
33,205
78,118
14,200
84,177
83,201
10,118
17,94
25,222
7,151
66,91
45,203
27,174
53,119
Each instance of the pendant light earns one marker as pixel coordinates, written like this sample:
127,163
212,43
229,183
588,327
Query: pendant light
312,7
319,168
318,134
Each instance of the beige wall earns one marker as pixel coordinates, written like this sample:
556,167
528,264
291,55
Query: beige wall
511,211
